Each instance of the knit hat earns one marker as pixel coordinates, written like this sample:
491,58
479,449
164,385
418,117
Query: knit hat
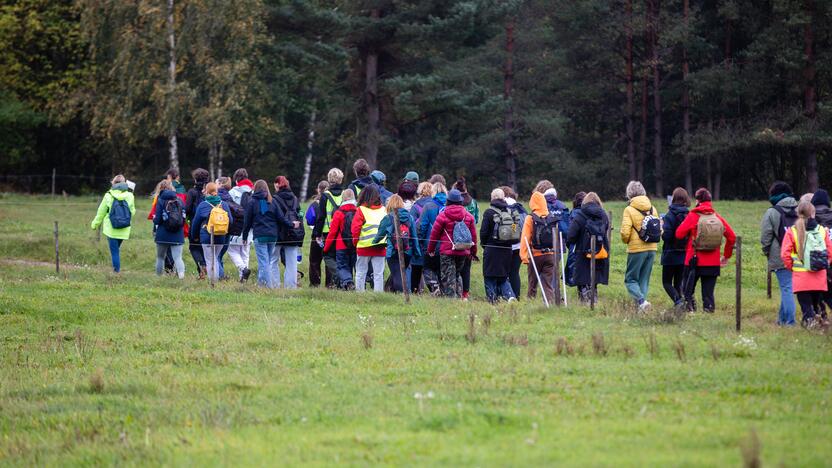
412,176
378,177
821,197
778,188
407,190
551,192
455,196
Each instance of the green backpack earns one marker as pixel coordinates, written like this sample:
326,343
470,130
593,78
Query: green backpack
507,225
814,252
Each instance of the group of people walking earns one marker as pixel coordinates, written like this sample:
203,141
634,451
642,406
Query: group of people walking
426,235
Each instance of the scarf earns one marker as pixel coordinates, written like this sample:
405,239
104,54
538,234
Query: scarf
178,187
775,199
213,199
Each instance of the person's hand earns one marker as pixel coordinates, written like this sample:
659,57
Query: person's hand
295,224
431,254
723,262
318,239
474,258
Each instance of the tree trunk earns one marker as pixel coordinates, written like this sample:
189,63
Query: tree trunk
508,119
717,194
642,144
631,140
174,150
654,6
220,148
212,160
371,99
809,97
686,102
307,165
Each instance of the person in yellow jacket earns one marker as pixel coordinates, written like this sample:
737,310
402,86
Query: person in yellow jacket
641,251
115,215
542,255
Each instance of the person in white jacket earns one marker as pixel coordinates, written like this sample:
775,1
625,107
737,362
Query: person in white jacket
239,247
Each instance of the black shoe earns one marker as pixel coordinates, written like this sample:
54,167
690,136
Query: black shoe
245,275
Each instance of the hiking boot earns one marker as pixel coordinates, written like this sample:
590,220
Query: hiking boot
202,272
644,306
244,275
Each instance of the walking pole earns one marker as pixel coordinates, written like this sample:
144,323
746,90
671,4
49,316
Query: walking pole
213,258
534,266
768,284
398,239
592,273
556,245
739,284
563,275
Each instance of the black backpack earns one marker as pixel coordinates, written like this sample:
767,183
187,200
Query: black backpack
597,228
543,231
293,234
651,227
787,219
238,215
346,230
245,199
173,216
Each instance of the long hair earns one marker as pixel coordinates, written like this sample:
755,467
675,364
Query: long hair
805,212
592,197
394,204
680,197
369,196
263,186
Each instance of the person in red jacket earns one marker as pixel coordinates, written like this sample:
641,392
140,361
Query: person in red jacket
365,225
344,248
452,260
703,265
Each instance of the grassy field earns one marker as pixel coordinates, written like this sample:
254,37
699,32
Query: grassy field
139,370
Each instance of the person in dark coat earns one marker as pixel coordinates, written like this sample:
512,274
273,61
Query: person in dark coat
362,176
290,231
823,215
497,253
192,200
514,273
571,256
673,250
591,221
168,243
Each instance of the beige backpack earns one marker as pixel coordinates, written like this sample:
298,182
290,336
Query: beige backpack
709,232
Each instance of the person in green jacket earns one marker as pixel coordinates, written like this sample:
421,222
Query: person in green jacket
116,213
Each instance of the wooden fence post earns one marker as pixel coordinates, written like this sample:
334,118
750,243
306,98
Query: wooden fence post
592,272
57,251
739,283
768,283
53,182
399,245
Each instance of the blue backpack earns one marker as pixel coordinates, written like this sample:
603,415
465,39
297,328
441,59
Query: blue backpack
462,237
120,215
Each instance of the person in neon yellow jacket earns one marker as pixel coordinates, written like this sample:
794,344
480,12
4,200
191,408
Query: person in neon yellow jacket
118,194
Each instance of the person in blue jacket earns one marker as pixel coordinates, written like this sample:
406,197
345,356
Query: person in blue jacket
169,240
409,239
211,251
430,211
674,250
263,216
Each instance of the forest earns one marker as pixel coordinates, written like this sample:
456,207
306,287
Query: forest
590,93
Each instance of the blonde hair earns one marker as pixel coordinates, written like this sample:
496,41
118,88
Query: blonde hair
498,194
805,211
438,188
347,195
118,180
635,189
543,186
425,190
224,182
394,203
211,188
592,197
163,185
335,176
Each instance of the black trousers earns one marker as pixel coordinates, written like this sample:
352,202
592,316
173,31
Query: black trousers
810,304
316,257
514,273
197,254
415,278
466,276
672,276
708,286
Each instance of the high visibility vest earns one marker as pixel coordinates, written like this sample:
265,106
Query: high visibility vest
797,265
372,219
332,206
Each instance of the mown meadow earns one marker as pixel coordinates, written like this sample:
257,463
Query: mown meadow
97,368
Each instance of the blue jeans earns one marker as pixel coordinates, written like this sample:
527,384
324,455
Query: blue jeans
267,262
497,287
345,261
637,275
787,306
290,273
115,245
220,265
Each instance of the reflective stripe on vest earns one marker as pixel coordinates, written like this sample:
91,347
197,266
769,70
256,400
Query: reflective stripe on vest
372,218
332,206
797,265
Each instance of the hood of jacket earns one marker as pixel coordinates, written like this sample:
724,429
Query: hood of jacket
335,189
224,195
404,215
641,203
245,183
499,205
538,204
259,195
348,205
119,191
167,195
592,210
788,202
824,215
703,208
241,189
440,198
455,212
555,204
286,195
363,182
679,210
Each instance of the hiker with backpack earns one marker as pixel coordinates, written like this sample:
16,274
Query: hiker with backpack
115,214
405,236
193,198
781,216
514,271
212,216
472,207
590,221
641,230
806,253
361,169
704,230
328,204
674,250
290,233
169,223
823,215
454,232
431,270
379,179
424,196
340,237
235,228
559,209
369,248
316,250
501,227
239,247
537,247
261,224
572,256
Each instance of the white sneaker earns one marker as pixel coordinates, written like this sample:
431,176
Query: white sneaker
512,299
644,306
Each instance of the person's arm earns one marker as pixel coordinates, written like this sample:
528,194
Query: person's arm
786,250
152,213
525,239
131,202
196,225
486,229
626,226
473,228
730,238
248,222
157,213
686,228
669,227
435,233
334,229
414,241
103,209
574,233
357,224
767,232
190,206
828,247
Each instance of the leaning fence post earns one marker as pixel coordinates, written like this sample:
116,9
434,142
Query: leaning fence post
399,246
556,244
57,252
592,273
739,283
214,265
768,284
53,182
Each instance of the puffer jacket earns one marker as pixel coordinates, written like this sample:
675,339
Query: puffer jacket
538,205
631,223
688,229
102,216
768,233
673,249
443,231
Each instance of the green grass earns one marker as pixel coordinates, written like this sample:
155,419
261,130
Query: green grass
135,369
